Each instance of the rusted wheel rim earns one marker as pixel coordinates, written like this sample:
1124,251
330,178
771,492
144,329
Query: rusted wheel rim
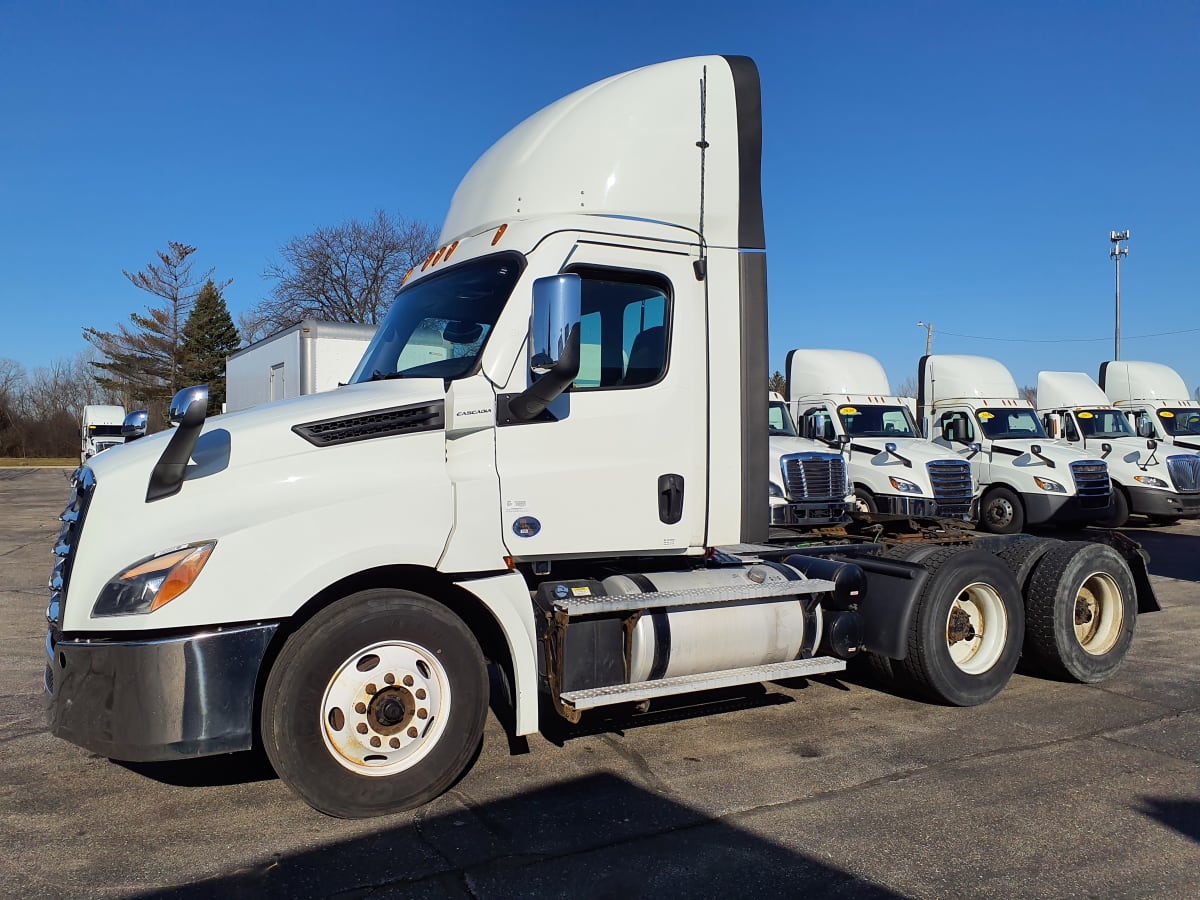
976,628
385,708
1097,614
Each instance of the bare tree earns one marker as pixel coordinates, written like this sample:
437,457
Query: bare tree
1029,392
344,273
907,388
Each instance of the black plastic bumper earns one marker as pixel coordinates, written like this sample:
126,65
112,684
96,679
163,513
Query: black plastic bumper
158,699
1057,509
1152,502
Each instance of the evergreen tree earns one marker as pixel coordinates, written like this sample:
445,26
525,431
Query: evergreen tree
209,336
777,383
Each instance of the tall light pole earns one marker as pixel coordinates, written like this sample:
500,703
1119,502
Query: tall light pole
1116,253
928,326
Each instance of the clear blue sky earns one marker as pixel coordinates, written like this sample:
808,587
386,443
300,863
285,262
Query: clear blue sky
960,163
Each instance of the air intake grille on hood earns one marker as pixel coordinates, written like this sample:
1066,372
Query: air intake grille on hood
376,424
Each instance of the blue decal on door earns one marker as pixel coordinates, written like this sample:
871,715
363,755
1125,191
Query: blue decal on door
526,526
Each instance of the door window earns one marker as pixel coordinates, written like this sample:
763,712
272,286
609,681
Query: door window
624,330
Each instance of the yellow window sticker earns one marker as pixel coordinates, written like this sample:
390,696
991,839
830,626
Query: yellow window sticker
581,591
1166,414
1086,415
986,415
848,411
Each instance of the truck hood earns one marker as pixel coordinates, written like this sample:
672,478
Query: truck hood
1022,452
249,472
870,451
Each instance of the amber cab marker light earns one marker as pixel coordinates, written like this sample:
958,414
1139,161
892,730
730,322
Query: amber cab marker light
450,250
438,256
407,275
499,234
428,260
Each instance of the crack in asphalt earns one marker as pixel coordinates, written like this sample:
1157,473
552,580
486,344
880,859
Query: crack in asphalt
638,762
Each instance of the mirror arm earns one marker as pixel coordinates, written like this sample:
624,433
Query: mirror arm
532,402
1036,450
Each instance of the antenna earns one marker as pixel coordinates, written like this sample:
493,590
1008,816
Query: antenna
700,266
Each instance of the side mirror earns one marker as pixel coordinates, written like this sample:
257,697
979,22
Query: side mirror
1145,429
844,439
184,399
554,343
135,425
1035,449
1151,444
890,447
974,447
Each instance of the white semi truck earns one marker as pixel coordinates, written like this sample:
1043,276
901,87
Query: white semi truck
970,404
843,398
1149,478
809,486
306,358
1155,399
334,573
100,430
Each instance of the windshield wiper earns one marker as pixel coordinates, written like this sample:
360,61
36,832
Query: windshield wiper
386,376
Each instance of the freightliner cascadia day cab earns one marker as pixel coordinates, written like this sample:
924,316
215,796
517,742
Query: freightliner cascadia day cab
809,487
1149,478
970,404
1155,399
843,398
100,430
333,574
307,358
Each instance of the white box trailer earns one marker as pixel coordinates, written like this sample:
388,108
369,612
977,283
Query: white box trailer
309,357
99,430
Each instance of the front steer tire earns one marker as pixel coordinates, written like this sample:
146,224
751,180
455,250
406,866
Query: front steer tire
965,637
1080,613
375,705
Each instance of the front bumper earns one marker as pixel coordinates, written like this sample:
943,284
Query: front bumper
903,505
1151,502
809,513
1059,509
156,699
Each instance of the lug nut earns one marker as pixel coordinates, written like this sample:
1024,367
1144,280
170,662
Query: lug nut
371,688
375,742
394,743
389,678
412,732
360,707
422,714
420,693
362,727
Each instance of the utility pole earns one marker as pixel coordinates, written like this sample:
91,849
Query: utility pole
928,326
1116,253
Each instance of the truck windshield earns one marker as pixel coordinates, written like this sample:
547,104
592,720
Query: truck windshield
1103,423
438,327
1180,421
876,421
1000,424
104,430
780,420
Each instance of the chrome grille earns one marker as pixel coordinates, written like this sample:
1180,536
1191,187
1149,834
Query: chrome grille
952,486
1091,483
83,485
814,476
1185,471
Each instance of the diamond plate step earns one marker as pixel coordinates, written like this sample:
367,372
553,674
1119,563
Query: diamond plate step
590,606
705,681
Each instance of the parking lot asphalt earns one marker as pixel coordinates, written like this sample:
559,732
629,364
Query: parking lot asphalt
833,786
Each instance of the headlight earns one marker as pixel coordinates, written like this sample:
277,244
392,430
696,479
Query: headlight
904,487
774,490
1047,485
152,583
1150,481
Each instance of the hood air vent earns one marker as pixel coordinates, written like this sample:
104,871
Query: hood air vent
376,424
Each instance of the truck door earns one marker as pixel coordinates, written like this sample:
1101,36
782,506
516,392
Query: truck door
619,462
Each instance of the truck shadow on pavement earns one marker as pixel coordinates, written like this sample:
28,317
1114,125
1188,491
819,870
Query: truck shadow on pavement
1172,555
596,836
1181,815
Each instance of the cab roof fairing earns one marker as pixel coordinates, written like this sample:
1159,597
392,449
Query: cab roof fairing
1068,390
947,377
816,373
1125,380
627,146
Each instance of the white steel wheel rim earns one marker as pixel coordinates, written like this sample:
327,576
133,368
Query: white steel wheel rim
1097,614
385,708
976,628
860,505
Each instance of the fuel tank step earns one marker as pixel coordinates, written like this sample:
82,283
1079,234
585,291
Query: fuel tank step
704,681
590,606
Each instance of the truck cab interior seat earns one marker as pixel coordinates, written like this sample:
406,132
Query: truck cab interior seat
647,356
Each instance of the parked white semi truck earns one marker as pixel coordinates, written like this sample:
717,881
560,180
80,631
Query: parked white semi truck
970,404
809,487
843,399
1155,399
333,573
100,430
306,358
1149,478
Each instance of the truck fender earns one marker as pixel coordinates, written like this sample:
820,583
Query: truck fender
886,612
507,598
